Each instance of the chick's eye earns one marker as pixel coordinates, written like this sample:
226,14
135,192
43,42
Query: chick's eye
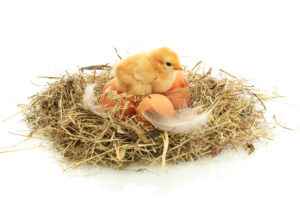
168,64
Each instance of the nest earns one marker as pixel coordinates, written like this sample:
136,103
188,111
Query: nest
81,137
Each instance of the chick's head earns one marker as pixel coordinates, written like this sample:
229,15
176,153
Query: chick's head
165,59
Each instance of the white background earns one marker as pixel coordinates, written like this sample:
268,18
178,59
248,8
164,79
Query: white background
257,40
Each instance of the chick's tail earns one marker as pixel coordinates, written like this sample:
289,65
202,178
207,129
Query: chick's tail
89,100
185,121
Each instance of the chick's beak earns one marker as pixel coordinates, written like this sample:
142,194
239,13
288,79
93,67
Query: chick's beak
177,67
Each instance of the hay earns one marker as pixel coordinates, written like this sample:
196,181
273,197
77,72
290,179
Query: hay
81,137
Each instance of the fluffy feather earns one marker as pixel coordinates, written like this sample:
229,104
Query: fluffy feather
89,100
185,121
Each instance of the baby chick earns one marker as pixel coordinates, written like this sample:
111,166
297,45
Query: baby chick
147,73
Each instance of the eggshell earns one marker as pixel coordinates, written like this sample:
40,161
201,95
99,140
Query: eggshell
127,104
112,85
157,103
180,97
180,80
176,97
179,94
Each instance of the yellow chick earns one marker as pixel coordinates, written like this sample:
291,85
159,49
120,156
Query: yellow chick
147,73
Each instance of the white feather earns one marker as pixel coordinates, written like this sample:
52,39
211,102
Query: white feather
89,100
185,121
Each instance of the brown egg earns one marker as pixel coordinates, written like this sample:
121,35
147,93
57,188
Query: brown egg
127,105
179,94
157,103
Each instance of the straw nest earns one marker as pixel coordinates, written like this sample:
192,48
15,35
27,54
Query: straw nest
81,137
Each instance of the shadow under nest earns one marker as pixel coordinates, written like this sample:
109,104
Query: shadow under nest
81,137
